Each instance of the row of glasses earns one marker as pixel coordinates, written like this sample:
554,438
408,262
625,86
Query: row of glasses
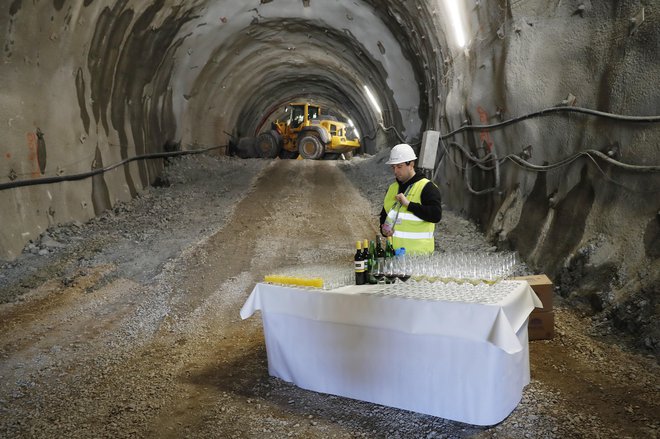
451,291
459,267
463,267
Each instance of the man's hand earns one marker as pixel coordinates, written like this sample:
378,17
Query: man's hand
402,199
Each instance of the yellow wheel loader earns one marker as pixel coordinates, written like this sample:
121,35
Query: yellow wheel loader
306,132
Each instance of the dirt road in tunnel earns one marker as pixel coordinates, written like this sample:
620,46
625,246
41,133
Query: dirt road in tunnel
294,208
95,352
171,382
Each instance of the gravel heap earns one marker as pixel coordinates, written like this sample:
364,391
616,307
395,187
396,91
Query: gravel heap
192,201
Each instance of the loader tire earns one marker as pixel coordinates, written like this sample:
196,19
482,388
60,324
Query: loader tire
245,148
268,145
310,147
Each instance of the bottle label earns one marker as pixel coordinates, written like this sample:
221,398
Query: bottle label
359,266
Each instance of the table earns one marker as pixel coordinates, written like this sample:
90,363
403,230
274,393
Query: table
464,360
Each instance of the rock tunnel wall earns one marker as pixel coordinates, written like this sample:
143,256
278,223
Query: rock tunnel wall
88,84
86,87
591,224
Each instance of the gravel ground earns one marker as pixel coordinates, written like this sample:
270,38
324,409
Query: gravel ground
128,326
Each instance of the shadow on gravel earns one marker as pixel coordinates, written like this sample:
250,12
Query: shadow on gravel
247,376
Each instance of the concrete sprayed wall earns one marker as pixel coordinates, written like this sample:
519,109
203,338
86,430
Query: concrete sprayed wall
88,84
82,91
590,223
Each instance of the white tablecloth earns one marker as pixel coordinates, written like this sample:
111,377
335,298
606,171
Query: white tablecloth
454,359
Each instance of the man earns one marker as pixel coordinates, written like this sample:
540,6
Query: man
412,204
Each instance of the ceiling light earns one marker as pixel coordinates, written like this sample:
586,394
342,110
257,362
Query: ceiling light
456,21
373,100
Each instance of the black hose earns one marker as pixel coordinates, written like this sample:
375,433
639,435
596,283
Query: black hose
547,111
82,176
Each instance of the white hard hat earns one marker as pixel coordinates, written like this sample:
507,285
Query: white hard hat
401,153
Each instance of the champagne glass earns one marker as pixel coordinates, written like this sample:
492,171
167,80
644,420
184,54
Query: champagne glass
405,270
416,263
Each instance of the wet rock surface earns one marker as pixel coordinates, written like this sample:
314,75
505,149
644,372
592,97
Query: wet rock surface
128,326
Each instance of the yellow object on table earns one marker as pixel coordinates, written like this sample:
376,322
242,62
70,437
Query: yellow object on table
315,282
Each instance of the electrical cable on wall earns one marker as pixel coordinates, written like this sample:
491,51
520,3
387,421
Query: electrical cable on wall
478,162
82,176
385,130
589,153
467,175
544,112
552,110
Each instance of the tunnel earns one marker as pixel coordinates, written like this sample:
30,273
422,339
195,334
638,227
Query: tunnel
541,117
558,94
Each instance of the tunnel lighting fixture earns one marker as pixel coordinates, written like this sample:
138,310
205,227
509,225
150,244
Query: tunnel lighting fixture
457,21
355,130
373,100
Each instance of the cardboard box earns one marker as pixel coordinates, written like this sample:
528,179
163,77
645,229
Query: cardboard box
541,325
542,286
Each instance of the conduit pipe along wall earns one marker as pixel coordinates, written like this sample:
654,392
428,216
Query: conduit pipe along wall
592,224
94,83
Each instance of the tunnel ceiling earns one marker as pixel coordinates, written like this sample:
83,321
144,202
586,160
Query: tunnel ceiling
241,62
201,71
227,65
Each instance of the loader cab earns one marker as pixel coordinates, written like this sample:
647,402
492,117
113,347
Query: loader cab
313,112
296,116
302,115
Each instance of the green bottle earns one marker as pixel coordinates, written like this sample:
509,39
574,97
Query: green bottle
371,263
389,248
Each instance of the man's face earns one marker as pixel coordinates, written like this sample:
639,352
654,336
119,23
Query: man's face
403,171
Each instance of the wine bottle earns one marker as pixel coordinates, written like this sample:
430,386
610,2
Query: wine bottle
359,264
365,250
371,263
365,258
380,253
380,258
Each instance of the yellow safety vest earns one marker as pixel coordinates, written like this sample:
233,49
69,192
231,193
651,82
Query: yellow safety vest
410,231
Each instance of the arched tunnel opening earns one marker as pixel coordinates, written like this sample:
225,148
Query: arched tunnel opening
537,121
